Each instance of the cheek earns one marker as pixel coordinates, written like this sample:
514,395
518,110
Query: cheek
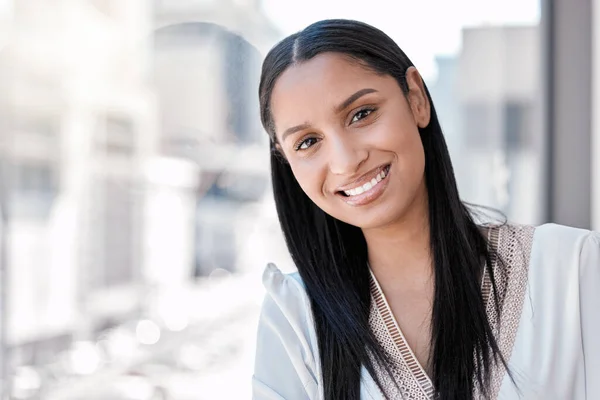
407,145
410,146
412,161
310,178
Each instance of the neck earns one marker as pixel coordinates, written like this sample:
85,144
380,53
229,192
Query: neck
401,251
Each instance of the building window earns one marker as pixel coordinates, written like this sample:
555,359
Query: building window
517,125
117,135
478,125
35,186
37,179
112,233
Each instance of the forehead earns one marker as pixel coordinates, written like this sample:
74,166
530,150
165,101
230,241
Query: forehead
319,84
324,68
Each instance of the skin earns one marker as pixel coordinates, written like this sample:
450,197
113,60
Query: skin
330,142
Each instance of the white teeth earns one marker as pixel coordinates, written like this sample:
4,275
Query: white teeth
367,186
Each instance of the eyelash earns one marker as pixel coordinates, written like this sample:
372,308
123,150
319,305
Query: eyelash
299,145
368,110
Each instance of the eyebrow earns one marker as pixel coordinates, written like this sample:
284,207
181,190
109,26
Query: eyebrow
353,98
338,109
293,129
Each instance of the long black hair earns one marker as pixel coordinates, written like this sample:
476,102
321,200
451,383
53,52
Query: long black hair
331,256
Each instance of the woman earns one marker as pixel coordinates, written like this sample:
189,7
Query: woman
399,293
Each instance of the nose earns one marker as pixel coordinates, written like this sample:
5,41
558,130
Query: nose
345,155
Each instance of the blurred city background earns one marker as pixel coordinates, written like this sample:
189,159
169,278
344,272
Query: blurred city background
135,202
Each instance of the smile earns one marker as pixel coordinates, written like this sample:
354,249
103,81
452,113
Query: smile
367,186
368,191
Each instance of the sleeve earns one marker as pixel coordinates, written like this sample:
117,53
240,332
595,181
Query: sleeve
589,267
285,363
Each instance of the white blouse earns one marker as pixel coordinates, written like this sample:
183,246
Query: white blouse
549,331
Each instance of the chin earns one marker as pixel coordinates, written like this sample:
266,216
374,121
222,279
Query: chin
373,221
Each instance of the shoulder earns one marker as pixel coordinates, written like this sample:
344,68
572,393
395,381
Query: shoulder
286,306
547,237
285,292
273,278
545,248
555,234
564,242
565,250
286,362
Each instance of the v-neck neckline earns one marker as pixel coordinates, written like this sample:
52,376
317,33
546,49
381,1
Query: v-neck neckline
405,354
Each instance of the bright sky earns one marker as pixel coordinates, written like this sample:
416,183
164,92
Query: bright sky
422,28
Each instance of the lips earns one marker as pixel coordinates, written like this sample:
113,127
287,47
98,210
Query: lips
367,186
359,193
365,182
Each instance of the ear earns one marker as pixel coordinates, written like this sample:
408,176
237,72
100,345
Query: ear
417,98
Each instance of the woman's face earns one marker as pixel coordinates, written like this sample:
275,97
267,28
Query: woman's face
351,138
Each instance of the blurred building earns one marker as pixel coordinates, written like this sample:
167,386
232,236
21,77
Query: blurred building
524,134
571,95
126,169
444,93
595,116
498,86
78,129
243,17
207,58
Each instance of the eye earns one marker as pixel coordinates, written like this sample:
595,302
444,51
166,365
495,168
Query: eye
361,114
305,144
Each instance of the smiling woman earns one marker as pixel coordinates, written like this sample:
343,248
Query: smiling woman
399,293
360,127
